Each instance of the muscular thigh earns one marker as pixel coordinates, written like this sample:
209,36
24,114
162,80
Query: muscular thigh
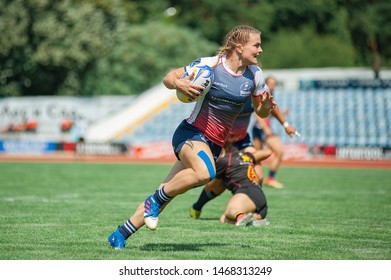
216,186
256,195
273,142
249,149
258,144
241,202
178,166
198,156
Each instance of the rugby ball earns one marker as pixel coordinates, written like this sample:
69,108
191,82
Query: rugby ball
202,76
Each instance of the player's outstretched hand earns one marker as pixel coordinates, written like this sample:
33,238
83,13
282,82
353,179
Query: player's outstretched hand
290,130
267,100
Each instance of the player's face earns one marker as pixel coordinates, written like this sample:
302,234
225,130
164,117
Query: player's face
271,83
252,49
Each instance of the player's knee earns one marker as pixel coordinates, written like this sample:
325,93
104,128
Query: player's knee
279,152
205,176
268,152
209,173
228,212
212,175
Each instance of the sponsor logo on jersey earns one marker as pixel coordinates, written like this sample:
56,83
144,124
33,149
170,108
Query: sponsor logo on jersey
246,89
251,174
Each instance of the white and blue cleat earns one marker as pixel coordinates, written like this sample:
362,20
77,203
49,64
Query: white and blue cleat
151,212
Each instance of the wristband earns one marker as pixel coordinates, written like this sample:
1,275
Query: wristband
285,124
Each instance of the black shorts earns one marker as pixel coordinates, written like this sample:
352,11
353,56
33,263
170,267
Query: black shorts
259,133
257,196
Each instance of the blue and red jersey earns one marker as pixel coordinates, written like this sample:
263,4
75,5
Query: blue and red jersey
215,112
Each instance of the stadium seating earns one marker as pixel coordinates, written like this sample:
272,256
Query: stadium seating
161,126
341,117
353,116
324,116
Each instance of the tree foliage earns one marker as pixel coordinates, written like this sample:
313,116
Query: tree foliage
145,55
306,48
362,27
370,28
94,47
215,18
47,46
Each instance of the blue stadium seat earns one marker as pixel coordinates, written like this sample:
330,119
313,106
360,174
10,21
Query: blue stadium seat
352,116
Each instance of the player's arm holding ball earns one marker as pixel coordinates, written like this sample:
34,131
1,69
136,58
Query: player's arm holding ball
173,81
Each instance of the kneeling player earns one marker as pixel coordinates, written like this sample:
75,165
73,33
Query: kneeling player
235,172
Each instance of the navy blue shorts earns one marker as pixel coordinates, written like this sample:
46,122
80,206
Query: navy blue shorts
259,133
187,132
244,143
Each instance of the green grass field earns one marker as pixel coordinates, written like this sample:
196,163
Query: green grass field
65,211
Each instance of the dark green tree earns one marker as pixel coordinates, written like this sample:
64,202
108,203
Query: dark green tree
88,47
295,33
370,28
137,11
216,18
306,48
146,54
46,47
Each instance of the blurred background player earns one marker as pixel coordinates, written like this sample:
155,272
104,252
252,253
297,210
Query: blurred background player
263,136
